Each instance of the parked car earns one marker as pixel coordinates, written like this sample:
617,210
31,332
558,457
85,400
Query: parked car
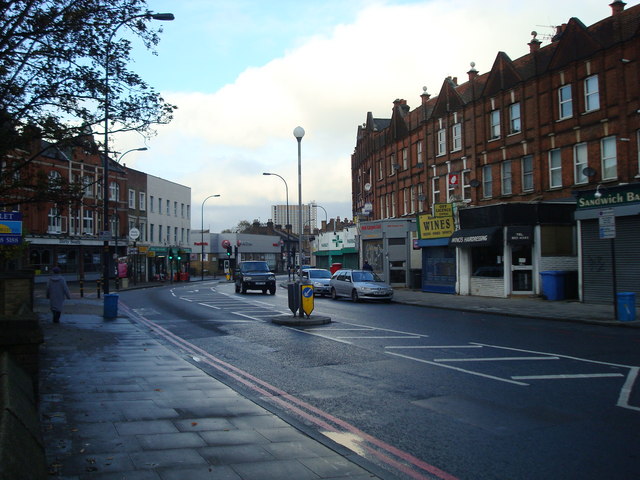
255,275
319,278
359,285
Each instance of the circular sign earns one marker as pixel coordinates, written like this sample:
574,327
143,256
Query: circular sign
134,234
226,243
453,179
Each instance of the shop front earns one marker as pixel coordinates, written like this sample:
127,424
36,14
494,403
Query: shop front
609,225
438,258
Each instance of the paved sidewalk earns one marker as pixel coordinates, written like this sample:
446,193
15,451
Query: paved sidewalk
116,404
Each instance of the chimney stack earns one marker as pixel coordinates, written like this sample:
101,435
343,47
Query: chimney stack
534,44
617,7
473,73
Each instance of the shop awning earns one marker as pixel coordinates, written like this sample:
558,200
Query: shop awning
476,237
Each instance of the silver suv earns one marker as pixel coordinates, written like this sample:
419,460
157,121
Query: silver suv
359,285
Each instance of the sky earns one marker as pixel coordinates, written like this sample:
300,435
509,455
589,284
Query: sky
245,73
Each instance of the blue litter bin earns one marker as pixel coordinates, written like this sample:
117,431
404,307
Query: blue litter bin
553,284
111,305
626,306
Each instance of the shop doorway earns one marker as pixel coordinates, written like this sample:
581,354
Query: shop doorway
521,270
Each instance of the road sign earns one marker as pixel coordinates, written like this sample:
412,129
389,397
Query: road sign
10,228
134,234
307,298
607,223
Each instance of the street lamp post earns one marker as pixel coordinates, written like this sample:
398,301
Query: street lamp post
106,231
326,218
202,235
288,225
298,132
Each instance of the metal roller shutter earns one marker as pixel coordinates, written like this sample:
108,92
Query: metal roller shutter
596,260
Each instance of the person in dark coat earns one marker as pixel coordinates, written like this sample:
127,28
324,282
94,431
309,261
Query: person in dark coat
367,267
57,291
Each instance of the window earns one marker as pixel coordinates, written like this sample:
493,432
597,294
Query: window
182,210
175,209
405,201
565,102
167,238
466,187
442,142
381,207
386,207
419,152
420,198
494,124
580,163
151,232
188,211
514,118
450,187
380,170
159,233
609,158
456,137
143,232
74,217
175,235
159,206
392,163
487,182
87,222
505,174
142,201
87,186
393,205
413,199
435,190
558,240
132,199
168,208
591,94
555,169
55,221
55,179
114,191
405,158
115,225
151,203
527,173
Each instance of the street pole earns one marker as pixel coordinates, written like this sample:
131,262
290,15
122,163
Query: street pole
202,236
106,223
298,132
288,225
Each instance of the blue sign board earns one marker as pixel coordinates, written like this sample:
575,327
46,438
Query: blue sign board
10,228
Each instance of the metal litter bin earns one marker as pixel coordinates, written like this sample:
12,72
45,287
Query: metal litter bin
111,305
553,284
626,306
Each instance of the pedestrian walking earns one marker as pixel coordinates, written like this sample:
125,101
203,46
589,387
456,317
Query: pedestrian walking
366,266
57,291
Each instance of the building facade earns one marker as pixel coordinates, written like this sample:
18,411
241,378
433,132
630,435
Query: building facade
536,132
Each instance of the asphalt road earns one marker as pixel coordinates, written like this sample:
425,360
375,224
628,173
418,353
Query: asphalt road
424,393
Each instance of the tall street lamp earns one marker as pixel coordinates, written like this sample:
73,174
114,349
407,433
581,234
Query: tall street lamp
202,235
288,225
105,255
326,218
298,132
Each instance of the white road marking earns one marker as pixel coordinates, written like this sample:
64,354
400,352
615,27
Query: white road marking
400,347
625,393
380,337
567,376
494,359
210,306
458,369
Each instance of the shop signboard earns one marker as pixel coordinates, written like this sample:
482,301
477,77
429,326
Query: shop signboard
10,228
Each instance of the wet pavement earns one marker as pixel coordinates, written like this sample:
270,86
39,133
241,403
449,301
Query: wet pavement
117,404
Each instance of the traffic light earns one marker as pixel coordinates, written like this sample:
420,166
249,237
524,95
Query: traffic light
179,255
228,250
170,254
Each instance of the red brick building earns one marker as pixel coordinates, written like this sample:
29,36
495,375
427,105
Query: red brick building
512,150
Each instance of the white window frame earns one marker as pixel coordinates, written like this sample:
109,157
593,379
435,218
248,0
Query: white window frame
393,205
494,124
526,166
132,198
405,158
565,104
419,152
405,201
580,162
515,119
465,179
412,191
441,142
54,225
380,170
87,186
555,168
506,179
609,158
591,94
487,182
456,137
435,190
87,222
420,197
114,191
142,201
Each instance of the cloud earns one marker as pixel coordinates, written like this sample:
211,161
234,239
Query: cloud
223,141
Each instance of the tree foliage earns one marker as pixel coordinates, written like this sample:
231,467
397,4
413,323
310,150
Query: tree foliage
53,55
